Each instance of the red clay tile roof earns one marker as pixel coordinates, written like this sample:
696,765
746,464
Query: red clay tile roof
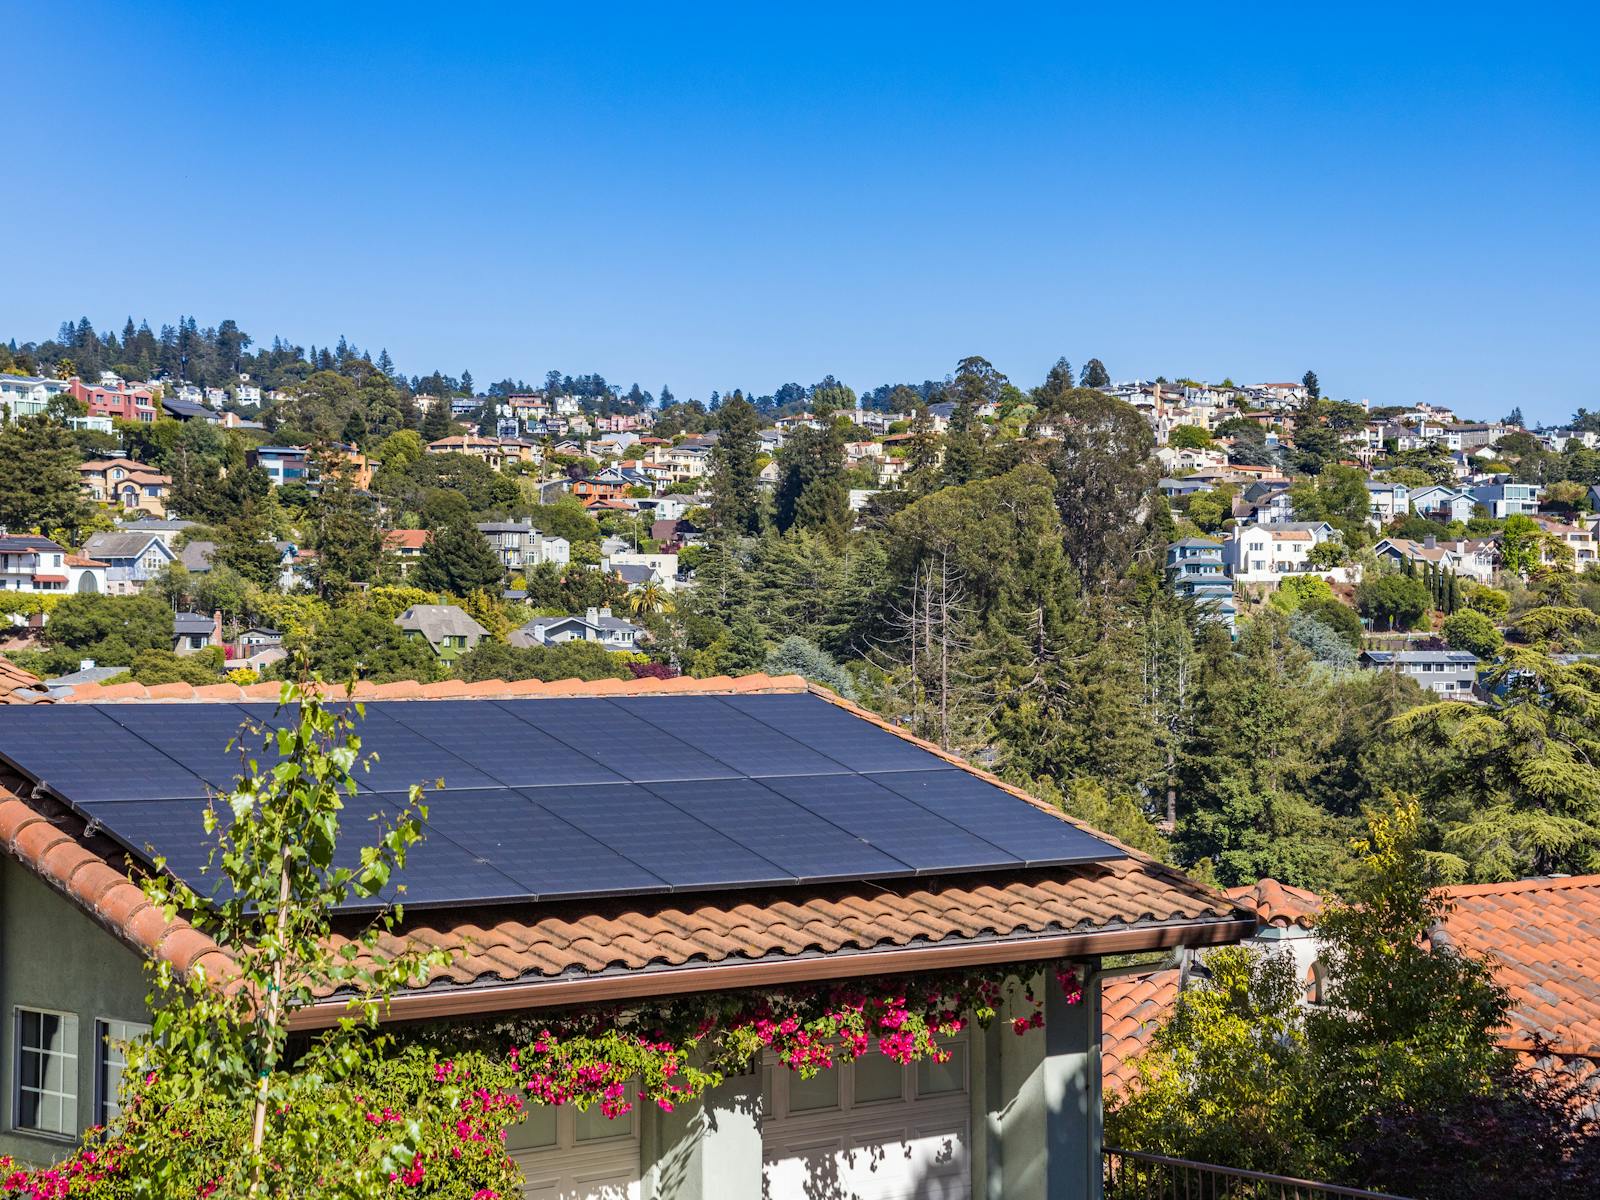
1131,1007
1544,934
405,539
659,942
20,687
1278,904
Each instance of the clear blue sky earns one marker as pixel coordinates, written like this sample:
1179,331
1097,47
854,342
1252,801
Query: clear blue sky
1404,200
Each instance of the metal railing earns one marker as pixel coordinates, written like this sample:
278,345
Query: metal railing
1130,1175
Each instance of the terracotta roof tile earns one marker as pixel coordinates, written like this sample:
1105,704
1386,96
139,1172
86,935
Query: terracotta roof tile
1544,936
20,687
1131,1008
406,689
1279,904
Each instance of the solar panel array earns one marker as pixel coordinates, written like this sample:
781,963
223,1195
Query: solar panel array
551,799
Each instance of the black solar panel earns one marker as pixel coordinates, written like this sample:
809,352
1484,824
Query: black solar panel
545,854
82,754
666,841
617,740
1014,825
927,843
545,799
828,729
736,739
801,843
499,743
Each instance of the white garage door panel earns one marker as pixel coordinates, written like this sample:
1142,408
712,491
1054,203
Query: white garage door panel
907,1149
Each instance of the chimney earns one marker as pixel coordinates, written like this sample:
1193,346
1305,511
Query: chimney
592,615
216,628
86,664
605,612
1430,542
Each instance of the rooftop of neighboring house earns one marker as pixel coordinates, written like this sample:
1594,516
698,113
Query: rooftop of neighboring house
405,539
185,623
24,543
20,687
156,525
125,543
1544,936
438,621
197,556
799,930
1452,658
597,618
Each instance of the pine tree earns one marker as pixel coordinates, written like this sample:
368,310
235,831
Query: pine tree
1094,375
436,422
811,491
458,560
735,477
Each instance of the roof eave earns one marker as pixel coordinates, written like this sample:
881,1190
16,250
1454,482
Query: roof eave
486,999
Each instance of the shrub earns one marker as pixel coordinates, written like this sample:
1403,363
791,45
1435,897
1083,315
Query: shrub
1473,632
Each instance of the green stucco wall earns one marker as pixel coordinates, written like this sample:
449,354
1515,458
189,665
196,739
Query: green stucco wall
54,956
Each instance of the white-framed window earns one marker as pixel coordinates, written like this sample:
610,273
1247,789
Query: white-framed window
44,1097
111,1040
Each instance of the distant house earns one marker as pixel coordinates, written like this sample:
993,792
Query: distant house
167,529
30,563
192,632
638,569
1174,489
1508,499
596,625
1440,503
1266,553
1195,569
1386,501
1577,538
132,559
121,402
126,484
406,545
596,490
196,556
449,630
283,464
520,545
1449,673
498,452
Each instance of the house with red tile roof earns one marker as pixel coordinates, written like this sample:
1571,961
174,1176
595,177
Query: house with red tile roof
1008,1114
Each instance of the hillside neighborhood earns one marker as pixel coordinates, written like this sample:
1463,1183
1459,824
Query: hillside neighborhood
1092,746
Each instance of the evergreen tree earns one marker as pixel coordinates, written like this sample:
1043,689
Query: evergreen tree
975,384
811,491
1313,388
735,478
343,525
246,545
436,422
922,454
40,488
458,560
1094,374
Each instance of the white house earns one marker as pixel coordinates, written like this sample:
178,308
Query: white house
1266,553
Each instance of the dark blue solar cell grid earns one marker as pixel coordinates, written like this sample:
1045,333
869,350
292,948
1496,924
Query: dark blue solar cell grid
83,755
634,749
663,839
402,758
892,823
859,745
498,743
730,736
797,840
1017,827
197,737
545,854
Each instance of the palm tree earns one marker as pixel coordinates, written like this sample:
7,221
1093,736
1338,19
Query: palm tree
650,597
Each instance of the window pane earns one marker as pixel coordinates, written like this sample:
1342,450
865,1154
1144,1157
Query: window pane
47,1071
808,1095
536,1131
112,1038
935,1078
594,1125
878,1077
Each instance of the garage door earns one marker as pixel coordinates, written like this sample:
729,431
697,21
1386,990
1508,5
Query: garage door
868,1130
570,1155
